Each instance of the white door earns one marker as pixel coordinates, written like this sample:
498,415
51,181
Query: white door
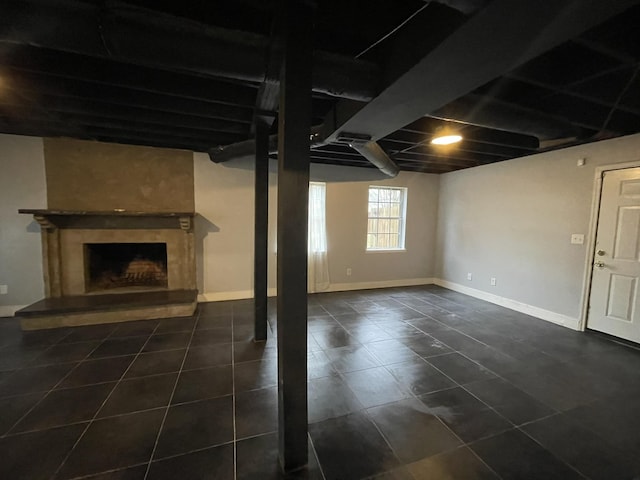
616,264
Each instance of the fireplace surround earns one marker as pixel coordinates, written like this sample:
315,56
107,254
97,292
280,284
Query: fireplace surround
77,243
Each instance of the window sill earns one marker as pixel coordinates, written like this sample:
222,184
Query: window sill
386,250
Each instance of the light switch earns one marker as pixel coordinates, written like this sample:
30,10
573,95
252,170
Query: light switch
577,238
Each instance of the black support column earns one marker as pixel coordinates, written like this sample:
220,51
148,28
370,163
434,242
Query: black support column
294,123
261,231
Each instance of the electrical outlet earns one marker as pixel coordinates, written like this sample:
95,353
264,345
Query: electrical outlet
348,271
493,281
577,238
469,276
4,289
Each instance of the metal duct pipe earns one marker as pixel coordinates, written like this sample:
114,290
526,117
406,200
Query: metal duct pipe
247,150
491,113
377,156
240,151
144,37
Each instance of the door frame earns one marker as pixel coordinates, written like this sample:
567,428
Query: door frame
591,237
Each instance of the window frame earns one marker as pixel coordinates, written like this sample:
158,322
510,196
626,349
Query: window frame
402,218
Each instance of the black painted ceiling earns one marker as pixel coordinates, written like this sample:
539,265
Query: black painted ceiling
191,75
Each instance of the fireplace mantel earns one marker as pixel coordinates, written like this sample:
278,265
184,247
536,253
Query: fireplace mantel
110,219
65,234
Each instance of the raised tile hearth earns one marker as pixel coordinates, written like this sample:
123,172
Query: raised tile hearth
75,310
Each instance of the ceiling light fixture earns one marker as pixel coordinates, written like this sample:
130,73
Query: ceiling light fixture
446,139
445,136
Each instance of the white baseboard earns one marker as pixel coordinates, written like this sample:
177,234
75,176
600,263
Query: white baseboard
541,313
234,295
403,282
334,287
9,310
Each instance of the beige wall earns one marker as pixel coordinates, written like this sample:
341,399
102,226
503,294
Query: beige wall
347,196
224,232
22,185
85,175
513,220
224,199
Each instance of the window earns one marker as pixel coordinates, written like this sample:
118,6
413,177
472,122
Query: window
317,233
387,207
317,262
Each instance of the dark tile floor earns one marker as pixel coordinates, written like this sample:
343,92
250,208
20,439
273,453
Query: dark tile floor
407,383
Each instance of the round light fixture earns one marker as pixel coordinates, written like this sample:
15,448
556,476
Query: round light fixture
446,139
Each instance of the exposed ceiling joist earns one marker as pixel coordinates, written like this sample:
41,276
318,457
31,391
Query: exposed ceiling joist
500,37
492,113
52,129
40,116
145,37
23,84
74,106
101,71
196,75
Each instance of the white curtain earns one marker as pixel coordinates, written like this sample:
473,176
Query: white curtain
318,265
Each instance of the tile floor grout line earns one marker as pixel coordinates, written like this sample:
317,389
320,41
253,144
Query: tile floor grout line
561,460
91,421
195,450
506,380
474,361
456,383
110,356
113,470
546,417
46,395
462,386
124,414
384,437
233,398
436,417
365,410
481,460
30,365
387,368
109,381
315,454
188,452
168,406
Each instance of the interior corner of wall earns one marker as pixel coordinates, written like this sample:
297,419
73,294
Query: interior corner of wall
9,310
554,317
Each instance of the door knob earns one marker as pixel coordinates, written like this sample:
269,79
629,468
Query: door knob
600,252
599,264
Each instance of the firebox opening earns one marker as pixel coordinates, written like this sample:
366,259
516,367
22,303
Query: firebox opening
125,265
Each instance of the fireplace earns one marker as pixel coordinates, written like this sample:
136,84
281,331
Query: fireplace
116,254
125,266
